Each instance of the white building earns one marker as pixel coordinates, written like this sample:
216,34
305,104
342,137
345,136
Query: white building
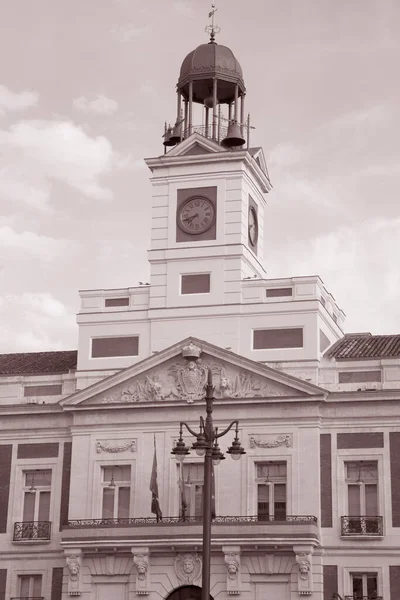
312,508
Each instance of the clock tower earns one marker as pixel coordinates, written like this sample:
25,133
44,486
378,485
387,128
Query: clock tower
209,189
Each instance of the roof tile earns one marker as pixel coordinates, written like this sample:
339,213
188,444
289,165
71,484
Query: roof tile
38,362
354,345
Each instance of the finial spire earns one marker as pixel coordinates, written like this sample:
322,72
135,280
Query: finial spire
212,29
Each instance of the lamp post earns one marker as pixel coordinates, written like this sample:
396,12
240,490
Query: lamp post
206,445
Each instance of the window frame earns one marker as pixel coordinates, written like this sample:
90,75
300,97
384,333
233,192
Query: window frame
118,484
271,488
37,492
249,493
254,329
119,356
191,513
348,579
181,275
15,581
340,506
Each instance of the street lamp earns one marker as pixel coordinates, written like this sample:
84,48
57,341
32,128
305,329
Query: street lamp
206,445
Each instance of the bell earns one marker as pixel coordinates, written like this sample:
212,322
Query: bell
176,134
167,138
234,136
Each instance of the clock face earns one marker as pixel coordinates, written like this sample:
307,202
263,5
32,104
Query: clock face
196,215
253,226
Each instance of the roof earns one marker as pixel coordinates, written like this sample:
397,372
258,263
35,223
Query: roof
206,62
38,362
365,345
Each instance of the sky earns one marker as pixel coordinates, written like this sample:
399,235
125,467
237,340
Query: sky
85,88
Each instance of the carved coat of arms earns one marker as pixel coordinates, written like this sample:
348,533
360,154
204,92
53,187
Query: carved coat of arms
190,380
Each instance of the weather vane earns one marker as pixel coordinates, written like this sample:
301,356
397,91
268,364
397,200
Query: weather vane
212,29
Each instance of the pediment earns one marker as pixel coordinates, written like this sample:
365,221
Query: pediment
179,374
196,144
258,156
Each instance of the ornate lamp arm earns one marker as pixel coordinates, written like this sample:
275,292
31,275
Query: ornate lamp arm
228,429
190,430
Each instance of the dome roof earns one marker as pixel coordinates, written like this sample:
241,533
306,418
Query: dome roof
204,63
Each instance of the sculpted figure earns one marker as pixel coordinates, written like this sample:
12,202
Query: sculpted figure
187,567
304,569
140,561
232,565
74,564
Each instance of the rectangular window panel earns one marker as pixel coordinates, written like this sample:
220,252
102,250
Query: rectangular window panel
195,284
115,346
278,292
371,500
38,478
354,500
29,506
265,339
116,302
280,501
359,376
123,502
42,390
108,503
44,506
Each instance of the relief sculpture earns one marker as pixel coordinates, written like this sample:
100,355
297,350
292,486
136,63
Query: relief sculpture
185,380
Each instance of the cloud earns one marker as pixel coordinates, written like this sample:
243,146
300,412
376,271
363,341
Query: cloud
34,154
34,322
129,32
184,7
28,243
359,265
100,106
16,101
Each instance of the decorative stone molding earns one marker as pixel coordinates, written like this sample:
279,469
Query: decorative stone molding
141,562
232,561
185,380
115,446
268,441
187,567
74,563
304,573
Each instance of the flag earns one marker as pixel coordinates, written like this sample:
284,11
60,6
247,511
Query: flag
213,515
210,14
155,503
182,492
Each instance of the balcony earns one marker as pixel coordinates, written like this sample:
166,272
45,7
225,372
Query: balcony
363,597
27,598
362,527
178,532
36,531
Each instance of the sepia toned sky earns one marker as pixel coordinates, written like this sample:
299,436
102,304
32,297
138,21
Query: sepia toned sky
85,88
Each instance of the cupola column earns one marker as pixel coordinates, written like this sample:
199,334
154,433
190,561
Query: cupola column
242,114
186,129
236,103
207,120
215,101
229,112
178,105
190,107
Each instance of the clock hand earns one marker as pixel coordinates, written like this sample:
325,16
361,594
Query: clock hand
190,219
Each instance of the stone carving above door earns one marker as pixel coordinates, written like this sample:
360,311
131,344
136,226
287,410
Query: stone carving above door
185,378
270,441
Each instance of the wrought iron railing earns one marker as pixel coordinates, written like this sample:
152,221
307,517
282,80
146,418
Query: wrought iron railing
207,132
362,525
355,597
226,520
32,530
27,598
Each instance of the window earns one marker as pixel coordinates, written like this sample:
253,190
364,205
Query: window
278,292
191,484
43,390
115,346
116,485
37,490
364,586
271,491
362,497
195,284
30,586
116,302
265,339
359,376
